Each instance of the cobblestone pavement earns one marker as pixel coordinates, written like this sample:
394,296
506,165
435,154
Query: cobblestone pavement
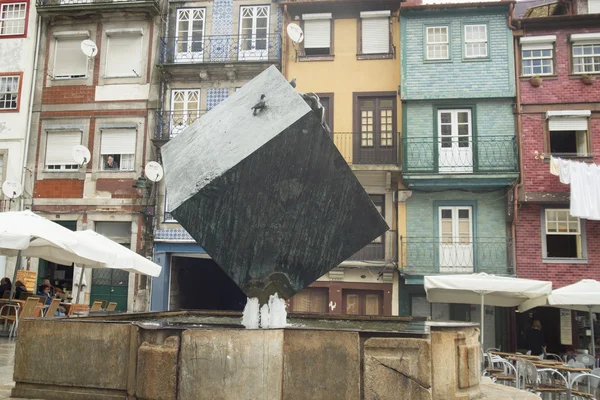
7,363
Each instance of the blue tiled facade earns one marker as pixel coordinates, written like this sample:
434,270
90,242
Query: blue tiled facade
215,96
222,17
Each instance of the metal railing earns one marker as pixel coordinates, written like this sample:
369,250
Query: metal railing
220,49
383,249
55,3
438,155
368,148
431,255
169,123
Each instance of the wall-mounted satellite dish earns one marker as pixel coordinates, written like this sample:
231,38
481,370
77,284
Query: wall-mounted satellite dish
89,48
295,33
12,189
154,171
81,155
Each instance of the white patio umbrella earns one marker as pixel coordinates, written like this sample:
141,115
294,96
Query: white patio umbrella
581,296
485,290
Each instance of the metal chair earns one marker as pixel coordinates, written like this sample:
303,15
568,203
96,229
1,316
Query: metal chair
586,359
51,310
111,306
96,306
543,381
592,379
509,374
26,312
553,356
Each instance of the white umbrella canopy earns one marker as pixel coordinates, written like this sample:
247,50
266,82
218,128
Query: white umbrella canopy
484,289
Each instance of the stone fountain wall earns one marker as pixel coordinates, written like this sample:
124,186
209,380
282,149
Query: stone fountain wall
99,360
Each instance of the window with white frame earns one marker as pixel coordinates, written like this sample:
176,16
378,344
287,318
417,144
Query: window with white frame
562,235
59,147
69,60
593,6
568,133
9,92
437,43
117,149
586,53
167,215
476,41
12,18
317,34
124,53
537,55
375,32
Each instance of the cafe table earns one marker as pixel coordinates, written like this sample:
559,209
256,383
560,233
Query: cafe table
569,369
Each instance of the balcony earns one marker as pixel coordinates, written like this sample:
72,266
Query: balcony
169,123
427,256
48,7
374,149
488,161
243,56
381,251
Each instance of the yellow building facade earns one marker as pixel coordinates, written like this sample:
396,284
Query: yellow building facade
349,57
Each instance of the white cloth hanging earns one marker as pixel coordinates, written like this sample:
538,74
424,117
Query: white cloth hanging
585,186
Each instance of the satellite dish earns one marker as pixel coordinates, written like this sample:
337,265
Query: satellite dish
295,33
81,155
89,48
154,171
12,189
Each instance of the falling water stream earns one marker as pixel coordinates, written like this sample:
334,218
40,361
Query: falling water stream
270,315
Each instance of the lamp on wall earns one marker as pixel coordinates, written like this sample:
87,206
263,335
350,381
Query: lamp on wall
141,185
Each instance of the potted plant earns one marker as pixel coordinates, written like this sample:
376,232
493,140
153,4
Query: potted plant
587,79
535,81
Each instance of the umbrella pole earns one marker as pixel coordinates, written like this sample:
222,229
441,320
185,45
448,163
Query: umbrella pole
482,315
79,287
12,287
593,338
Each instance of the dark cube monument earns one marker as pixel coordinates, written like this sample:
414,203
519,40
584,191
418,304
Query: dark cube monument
269,197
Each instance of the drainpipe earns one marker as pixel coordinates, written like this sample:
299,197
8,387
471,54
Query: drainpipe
30,112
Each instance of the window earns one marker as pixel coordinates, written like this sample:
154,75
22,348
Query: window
375,32
537,55
9,92
190,34
593,6
254,33
476,42
69,60
12,18
311,300
117,149
317,34
185,109
437,43
59,146
124,53
120,232
456,239
568,135
362,302
455,147
586,53
562,235
167,215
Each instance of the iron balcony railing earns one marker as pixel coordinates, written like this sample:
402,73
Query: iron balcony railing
169,123
385,248
433,255
368,147
220,49
438,155
73,3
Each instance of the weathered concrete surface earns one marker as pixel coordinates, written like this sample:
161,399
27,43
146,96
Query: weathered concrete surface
397,369
494,391
321,365
231,365
157,370
269,197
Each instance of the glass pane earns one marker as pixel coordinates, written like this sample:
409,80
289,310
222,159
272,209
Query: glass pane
463,117
446,130
318,300
352,304
386,103
367,103
463,214
445,118
446,213
302,301
372,304
551,215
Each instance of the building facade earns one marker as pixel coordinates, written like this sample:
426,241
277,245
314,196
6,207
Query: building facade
99,99
459,150
207,51
18,38
559,115
349,58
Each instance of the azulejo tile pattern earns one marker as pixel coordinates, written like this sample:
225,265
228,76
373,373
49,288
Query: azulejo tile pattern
279,27
179,235
215,96
222,17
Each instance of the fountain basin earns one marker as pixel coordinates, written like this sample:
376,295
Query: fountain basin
192,355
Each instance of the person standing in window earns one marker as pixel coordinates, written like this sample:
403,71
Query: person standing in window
111,163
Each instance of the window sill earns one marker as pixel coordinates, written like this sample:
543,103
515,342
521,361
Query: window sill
9,110
122,77
564,261
476,59
114,175
588,159
445,60
316,58
378,56
580,76
15,36
528,77
67,175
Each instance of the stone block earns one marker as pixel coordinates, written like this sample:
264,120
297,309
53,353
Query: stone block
397,369
269,197
157,370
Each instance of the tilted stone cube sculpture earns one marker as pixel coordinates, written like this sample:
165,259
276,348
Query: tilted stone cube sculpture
268,196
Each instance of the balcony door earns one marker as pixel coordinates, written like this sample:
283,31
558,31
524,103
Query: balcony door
185,109
455,141
456,239
375,141
362,302
374,251
254,33
189,46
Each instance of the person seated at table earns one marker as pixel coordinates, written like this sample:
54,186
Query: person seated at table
45,294
46,282
19,288
536,342
5,285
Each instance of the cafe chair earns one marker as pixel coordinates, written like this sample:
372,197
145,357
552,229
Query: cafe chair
96,306
6,294
552,356
543,381
508,375
51,310
111,306
26,312
586,359
585,392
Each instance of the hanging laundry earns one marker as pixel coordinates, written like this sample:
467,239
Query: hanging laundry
585,186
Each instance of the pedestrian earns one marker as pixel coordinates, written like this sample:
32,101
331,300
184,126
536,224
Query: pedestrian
536,343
